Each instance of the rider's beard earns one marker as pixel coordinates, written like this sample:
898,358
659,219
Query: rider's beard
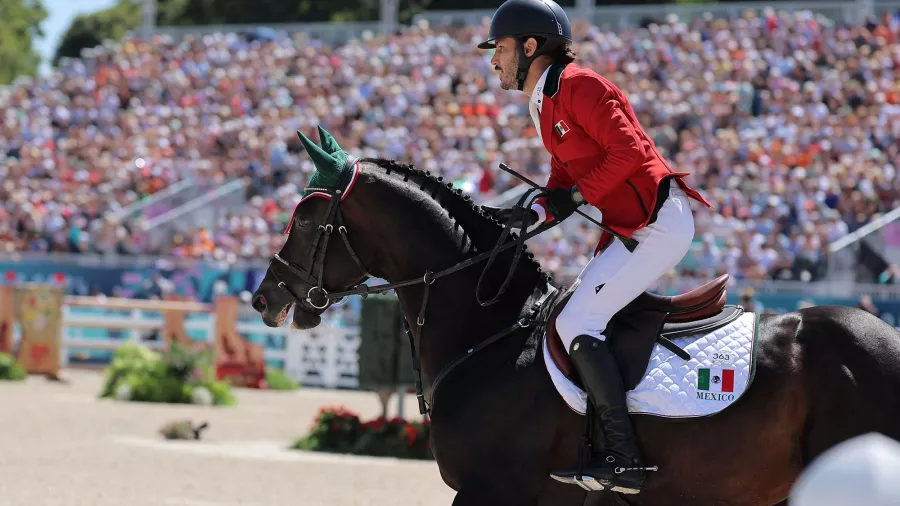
508,76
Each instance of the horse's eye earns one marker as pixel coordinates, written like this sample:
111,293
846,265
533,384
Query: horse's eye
302,221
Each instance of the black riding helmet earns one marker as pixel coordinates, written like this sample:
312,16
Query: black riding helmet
522,19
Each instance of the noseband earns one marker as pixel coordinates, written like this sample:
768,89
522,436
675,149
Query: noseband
317,264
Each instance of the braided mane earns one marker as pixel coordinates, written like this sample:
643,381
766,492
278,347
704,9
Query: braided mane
443,193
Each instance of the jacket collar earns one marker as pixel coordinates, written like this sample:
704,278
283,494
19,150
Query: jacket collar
537,96
553,75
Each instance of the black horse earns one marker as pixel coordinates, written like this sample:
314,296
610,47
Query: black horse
823,374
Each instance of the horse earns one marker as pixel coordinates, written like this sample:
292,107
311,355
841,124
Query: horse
499,423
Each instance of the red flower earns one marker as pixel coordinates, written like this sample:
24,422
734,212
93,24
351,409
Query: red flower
411,434
339,412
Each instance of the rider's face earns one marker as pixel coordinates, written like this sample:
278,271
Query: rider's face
506,62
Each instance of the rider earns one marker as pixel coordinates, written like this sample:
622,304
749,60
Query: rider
598,151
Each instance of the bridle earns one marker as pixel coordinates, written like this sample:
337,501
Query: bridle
314,277
317,258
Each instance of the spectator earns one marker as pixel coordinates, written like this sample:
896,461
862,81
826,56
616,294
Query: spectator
866,304
787,122
748,300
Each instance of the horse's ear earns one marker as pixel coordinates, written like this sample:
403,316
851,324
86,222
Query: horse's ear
328,143
323,161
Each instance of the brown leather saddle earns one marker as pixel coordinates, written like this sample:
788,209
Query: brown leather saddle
650,318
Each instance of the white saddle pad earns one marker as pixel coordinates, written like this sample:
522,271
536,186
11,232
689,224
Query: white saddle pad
717,374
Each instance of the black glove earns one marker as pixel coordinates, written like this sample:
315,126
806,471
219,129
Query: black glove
559,203
506,214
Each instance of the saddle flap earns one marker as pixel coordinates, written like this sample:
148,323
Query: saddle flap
632,338
554,343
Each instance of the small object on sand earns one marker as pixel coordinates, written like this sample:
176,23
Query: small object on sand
182,429
55,377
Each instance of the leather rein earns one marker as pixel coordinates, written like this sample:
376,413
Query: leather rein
319,299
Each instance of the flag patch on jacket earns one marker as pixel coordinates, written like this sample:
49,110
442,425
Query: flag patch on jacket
561,128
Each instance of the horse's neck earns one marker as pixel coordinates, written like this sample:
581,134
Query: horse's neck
432,241
454,321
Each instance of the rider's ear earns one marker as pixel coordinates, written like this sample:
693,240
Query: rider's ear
530,46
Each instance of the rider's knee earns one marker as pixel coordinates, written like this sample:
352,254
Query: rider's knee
568,328
573,323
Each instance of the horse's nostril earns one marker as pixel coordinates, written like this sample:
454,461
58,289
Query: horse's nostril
258,303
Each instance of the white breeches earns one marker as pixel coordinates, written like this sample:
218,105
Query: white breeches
625,275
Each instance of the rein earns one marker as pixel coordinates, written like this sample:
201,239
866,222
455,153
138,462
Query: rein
317,290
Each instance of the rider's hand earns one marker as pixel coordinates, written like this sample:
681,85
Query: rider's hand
506,214
559,203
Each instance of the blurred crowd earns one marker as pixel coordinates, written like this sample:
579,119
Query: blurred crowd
787,122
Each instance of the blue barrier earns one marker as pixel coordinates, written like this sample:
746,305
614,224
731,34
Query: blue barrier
198,281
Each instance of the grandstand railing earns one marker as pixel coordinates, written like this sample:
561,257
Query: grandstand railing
164,200
332,33
869,228
82,263
612,17
872,246
202,211
882,7
606,17
840,288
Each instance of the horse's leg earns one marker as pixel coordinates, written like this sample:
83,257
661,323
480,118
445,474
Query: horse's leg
555,493
507,493
527,489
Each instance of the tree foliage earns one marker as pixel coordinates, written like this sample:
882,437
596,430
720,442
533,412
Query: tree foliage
90,30
20,24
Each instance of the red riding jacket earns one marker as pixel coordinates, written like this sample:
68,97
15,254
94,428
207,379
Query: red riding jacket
597,144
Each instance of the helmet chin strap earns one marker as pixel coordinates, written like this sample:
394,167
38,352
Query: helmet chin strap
524,65
525,61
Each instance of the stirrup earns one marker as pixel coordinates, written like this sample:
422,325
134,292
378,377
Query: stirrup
595,484
588,483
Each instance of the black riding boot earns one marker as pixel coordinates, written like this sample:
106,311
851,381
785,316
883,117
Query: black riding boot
603,383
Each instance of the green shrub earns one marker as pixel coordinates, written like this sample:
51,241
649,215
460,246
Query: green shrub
9,369
221,392
276,379
179,376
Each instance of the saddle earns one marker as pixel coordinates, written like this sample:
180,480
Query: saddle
650,318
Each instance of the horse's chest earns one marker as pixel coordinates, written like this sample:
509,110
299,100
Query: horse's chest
457,444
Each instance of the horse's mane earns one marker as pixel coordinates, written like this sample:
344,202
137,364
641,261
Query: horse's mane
444,195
